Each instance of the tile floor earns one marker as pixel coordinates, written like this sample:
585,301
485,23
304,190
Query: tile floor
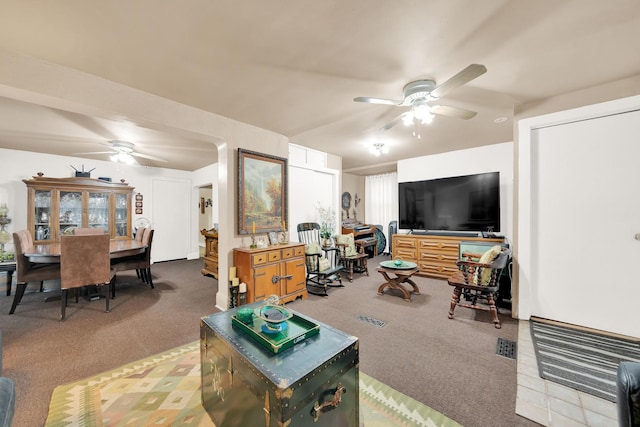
551,404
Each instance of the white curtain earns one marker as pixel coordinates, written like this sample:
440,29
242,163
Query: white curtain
381,201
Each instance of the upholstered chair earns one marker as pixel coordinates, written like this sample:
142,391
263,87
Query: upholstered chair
141,263
79,231
27,271
84,261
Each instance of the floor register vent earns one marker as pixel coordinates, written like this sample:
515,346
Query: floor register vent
371,320
507,348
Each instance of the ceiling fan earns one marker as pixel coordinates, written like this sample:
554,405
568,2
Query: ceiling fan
122,152
419,94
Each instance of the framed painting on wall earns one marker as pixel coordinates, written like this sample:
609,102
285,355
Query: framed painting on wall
262,192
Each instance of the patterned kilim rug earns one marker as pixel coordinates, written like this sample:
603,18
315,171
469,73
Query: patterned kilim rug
164,390
581,359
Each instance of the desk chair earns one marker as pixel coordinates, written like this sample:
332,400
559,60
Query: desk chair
27,271
323,266
84,261
479,277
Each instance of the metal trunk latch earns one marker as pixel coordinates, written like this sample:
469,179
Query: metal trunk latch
322,405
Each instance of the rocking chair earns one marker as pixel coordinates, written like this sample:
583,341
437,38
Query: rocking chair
322,263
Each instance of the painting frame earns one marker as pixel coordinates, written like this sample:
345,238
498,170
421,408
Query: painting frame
263,199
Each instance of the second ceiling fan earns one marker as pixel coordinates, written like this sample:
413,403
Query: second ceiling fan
419,94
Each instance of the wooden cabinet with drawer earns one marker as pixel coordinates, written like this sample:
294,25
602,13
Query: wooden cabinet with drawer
436,255
276,270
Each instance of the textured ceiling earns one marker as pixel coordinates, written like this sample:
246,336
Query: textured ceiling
294,67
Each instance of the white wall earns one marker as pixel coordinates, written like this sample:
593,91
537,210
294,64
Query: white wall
491,158
312,180
578,216
19,165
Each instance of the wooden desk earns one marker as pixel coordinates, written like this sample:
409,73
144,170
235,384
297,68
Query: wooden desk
50,254
401,276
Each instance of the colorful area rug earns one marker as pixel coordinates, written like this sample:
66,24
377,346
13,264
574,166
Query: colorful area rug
584,360
164,390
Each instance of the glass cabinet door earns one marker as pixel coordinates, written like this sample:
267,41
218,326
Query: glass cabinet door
70,212
121,215
99,210
42,215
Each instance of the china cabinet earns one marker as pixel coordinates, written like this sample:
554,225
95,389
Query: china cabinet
56,206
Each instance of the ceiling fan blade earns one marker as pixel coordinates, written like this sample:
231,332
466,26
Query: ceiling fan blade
144,156
464,76
394,122
460,113
97,152
377,100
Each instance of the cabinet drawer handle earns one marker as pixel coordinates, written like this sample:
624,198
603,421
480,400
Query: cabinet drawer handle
335,396
276,279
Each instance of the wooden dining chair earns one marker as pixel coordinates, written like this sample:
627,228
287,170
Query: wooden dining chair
26,271
478,278
84,261
352,259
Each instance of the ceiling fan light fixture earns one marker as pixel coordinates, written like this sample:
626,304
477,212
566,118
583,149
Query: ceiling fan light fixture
421,111
378,149
123,157
427,119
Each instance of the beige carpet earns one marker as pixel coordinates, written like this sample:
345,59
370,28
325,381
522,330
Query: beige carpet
164,390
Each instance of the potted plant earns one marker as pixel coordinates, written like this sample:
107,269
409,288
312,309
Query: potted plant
327,222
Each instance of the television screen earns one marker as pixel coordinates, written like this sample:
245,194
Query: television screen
460,203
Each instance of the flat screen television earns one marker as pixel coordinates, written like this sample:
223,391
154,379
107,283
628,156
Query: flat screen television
459,203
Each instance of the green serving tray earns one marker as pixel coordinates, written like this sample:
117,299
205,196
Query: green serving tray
298,330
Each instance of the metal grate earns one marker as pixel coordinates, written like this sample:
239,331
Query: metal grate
507,348
371,320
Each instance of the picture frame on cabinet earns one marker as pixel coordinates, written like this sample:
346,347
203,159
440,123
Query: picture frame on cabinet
262,192
273,238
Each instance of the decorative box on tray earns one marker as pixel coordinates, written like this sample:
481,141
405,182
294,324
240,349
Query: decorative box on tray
304,374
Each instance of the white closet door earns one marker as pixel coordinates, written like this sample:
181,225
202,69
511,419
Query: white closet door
170,213
308,187
585,210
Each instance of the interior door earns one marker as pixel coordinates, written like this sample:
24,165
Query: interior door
170,213
585,216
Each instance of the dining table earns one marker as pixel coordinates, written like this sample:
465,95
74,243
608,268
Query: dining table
49,253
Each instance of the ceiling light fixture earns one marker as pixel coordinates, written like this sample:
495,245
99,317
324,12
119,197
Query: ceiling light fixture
378,149
419,115
123,157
